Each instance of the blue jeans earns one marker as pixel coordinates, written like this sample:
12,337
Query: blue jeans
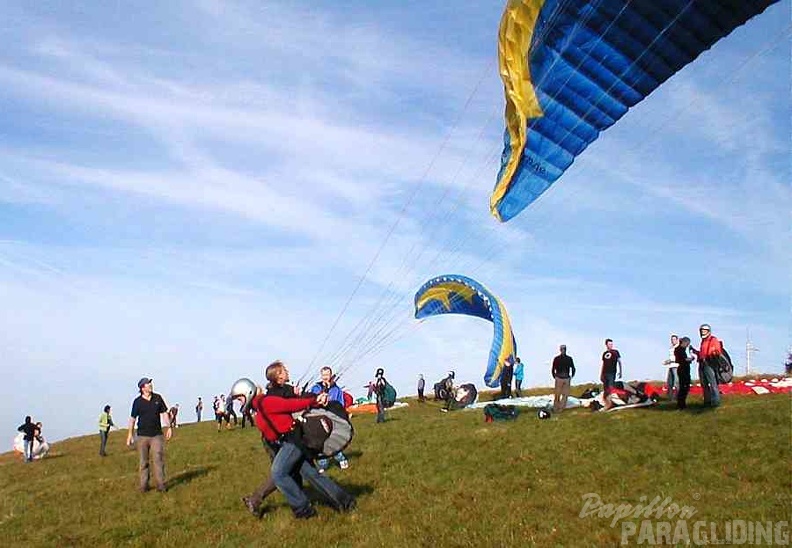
709,384
322,464
673,382
289,456
28,450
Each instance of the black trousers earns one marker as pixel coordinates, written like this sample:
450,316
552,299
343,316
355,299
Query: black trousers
683,371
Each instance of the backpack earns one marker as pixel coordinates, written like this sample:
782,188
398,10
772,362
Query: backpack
349,401
495,412
325,431
388,395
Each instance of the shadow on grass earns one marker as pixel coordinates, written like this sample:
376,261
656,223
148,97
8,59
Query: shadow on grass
188,476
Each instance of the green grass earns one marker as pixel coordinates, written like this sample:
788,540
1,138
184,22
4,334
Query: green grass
423,478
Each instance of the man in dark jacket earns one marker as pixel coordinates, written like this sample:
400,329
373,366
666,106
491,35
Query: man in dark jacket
29,429
563,371
146,411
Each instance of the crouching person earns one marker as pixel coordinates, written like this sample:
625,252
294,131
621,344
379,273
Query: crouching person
274,419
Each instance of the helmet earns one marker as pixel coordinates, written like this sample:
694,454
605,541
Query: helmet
544,413
380,372
244,389
705,327
451,374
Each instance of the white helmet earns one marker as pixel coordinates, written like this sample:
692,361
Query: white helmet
244,389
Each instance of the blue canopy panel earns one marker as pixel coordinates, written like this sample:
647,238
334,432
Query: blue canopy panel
572,68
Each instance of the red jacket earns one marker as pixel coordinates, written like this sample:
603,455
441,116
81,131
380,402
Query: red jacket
710,347
278,412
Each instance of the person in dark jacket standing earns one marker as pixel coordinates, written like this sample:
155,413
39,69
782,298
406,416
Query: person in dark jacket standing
29,429
506,379
146,411
682,361
563,371
421,387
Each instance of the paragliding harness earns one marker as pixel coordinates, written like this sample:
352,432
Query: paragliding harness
722,365
494,412
325,431
320,432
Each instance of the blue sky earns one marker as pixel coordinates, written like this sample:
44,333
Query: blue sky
191,190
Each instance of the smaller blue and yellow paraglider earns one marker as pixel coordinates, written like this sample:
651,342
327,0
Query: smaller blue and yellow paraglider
456,294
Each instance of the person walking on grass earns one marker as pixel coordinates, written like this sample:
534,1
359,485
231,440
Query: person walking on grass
105,424
147,409
327,385
611,370
563,371
275,421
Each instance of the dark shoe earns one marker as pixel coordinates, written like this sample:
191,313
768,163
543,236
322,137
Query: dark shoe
143,489
306,513
252,507
162,489
347,506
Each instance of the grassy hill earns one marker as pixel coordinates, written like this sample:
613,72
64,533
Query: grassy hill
423,478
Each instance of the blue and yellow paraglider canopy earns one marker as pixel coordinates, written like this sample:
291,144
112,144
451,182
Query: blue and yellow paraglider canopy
572,68
456,294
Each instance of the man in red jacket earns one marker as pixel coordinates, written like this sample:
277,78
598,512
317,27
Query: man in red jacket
277,426
708,353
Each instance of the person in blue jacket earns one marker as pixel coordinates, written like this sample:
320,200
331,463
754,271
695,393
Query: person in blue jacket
334,393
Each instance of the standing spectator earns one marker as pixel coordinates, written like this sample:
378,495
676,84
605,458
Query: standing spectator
379,385
518,377
682,361
421,387
506,378
219,411
229,411
173,413
563,371
672,379
611,361
105,423
147,409
327,385
29,429
448,391
708,354
247,415
199,408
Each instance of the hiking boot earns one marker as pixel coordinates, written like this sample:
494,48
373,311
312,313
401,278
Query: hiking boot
344,464
307,513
